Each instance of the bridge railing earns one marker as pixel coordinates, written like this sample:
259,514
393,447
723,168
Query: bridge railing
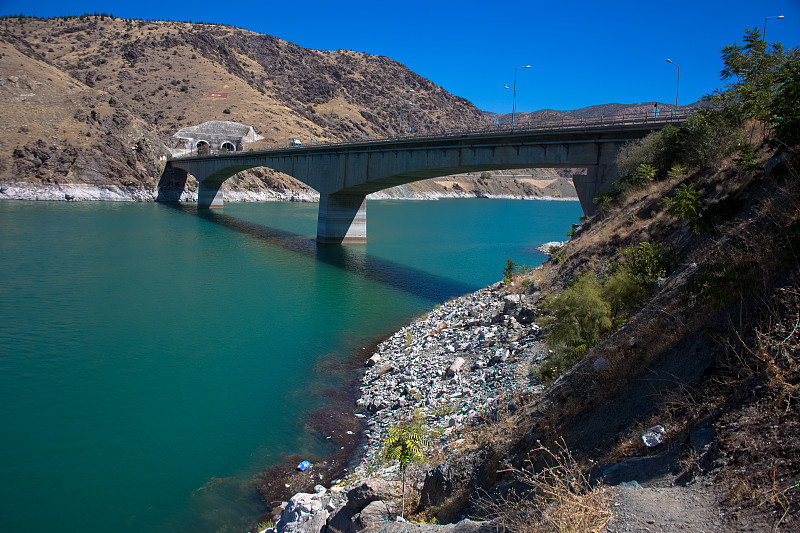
564,123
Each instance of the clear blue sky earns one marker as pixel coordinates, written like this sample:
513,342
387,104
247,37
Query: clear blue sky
581,52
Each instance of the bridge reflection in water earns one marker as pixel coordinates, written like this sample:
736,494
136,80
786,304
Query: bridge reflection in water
352,259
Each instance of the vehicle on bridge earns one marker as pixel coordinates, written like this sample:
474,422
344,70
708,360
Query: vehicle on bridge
295,142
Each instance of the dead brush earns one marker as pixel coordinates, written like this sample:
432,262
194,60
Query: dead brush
498,426
780,496
559,498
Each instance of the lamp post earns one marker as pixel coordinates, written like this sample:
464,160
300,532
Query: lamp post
678,84
764,33
514,96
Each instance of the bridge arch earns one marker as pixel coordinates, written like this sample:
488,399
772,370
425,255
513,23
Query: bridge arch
345,174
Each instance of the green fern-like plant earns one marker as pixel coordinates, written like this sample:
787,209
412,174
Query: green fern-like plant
747,159
606,198
676,171
404,444
687,204
720,284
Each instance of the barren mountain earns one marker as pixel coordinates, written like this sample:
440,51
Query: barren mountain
93,101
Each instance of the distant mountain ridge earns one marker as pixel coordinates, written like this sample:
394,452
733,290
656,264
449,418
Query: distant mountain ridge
595,111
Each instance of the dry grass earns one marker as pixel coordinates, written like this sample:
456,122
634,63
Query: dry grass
558,498
497,427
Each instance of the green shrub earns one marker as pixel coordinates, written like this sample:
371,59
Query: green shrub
643,174
687,204
624,294
708,136
747,159
409,338
405,444
556,253
606,198
587,311
646,263
656,150
785,116
443,410
579,315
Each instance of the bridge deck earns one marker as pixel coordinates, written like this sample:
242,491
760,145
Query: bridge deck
344,173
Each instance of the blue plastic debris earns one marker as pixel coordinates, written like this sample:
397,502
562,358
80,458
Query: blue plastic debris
303,466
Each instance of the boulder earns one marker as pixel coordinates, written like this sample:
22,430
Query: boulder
510,302
455,367
348,517
304,513
369,491
373,515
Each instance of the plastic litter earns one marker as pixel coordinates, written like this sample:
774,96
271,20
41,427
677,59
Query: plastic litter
654,436
319,489
303,466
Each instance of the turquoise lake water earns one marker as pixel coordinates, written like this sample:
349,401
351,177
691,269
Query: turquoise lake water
149,352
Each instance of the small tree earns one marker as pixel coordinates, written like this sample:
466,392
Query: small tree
580,315
404,444
624,295
785,117
511,269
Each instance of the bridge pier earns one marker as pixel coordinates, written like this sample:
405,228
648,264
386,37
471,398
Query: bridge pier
599,178
342,219
171,184
209,195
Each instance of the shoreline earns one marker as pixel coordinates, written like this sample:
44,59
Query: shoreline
82,192
340,421
453,366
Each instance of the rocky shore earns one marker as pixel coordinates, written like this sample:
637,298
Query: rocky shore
451,366
114,193
79,192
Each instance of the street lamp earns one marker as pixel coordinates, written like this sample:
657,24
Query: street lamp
764,34
678,84
514,97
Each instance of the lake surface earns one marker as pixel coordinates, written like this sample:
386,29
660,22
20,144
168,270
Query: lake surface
154,360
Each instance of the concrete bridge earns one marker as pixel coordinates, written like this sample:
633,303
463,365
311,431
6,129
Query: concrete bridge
344,174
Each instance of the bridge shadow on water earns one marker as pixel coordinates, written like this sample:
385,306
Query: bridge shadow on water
353,259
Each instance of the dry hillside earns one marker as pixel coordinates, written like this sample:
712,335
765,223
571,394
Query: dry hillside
712,355
96,100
